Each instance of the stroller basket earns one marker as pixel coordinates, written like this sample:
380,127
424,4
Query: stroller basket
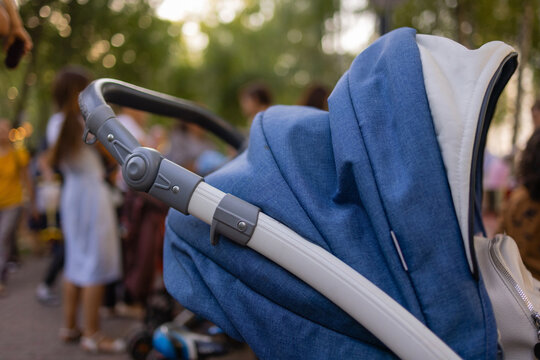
146,170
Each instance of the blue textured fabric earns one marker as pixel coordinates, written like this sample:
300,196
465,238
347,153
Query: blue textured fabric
342,179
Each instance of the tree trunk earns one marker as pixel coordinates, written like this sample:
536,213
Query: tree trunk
524,47
461,12
35,34
21,103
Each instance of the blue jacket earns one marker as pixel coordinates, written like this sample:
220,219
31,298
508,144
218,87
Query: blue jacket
342,179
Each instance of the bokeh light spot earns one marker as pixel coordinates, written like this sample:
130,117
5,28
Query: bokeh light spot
45,11
12,93
109,61
118,40
145,21
129,57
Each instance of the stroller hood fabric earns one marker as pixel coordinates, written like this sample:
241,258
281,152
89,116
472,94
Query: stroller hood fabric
345,179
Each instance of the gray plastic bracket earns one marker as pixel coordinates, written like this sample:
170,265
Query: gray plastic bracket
234,218
103,125
116,139
174,185
98,117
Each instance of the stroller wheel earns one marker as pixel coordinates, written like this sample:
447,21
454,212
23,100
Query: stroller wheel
140,345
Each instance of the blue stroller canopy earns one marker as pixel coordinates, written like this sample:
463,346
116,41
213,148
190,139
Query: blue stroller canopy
382,181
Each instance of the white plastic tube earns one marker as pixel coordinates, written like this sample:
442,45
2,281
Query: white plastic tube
391,323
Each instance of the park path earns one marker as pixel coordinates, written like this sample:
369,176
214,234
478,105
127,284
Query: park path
29,330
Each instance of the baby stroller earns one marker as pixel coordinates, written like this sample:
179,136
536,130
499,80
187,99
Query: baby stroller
386,186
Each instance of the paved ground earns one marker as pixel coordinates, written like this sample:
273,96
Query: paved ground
28,330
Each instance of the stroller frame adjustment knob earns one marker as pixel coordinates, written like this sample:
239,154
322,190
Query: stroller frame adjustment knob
140,168
136,168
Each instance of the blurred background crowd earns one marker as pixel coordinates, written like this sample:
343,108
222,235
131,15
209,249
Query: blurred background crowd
235,57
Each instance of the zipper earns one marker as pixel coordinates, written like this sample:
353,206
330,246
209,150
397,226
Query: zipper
518,291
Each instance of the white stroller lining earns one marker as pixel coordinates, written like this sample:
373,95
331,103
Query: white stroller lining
456,80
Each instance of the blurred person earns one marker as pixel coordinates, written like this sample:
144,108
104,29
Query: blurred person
515,153
47,187
16,40
190,147
48,175
521,214
134,121
120,297
535,112
496,181
88,222
143,220
13,178
158,138
316,95
254,98
209,161
187,142
115,294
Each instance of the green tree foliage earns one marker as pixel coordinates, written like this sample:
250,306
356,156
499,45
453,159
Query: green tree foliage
284,52
471,22
275,41
125,41
476,22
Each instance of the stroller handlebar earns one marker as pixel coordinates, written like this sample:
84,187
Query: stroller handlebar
145,169
120,93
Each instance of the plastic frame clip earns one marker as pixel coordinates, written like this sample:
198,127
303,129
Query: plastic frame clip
235,219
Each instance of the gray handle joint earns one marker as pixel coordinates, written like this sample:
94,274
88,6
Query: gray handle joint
143,169
235,219
174,185
103,124
146,170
